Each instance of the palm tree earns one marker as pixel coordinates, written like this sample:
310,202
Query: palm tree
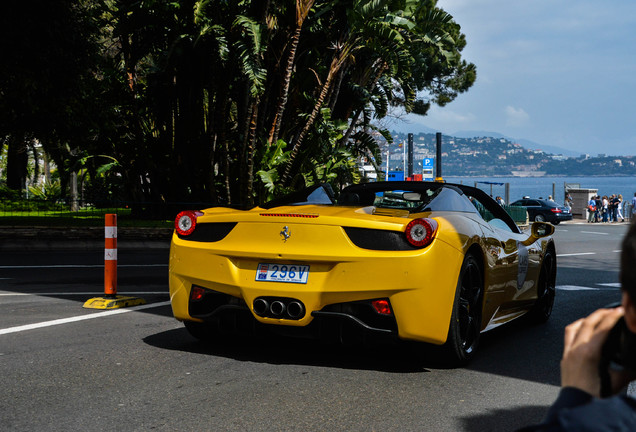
303,8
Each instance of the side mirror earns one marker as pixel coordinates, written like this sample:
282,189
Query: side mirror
539,230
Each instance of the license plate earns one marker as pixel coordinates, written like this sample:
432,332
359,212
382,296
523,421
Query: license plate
290,273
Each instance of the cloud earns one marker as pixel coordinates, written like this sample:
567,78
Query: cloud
516,116
446,116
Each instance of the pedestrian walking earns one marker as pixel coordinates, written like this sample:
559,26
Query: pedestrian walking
591,210
613,208
619,211
605,211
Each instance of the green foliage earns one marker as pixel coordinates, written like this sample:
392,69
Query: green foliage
272,159
220,102
50,191
9,194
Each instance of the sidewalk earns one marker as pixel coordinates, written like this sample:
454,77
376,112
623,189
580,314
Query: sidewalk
81,238
581,219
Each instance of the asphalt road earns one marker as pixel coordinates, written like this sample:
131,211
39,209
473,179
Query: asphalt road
136,369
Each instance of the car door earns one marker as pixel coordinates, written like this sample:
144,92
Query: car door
505,277
533,207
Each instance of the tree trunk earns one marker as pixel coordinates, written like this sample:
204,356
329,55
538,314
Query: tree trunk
36,162
74,198
251,144
17,159
336,64
302,10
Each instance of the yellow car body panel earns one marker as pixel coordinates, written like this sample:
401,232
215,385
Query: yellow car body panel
421,295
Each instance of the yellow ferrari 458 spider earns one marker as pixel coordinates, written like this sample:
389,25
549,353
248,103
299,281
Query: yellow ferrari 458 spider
432,262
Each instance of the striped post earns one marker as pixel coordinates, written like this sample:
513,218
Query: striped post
110,256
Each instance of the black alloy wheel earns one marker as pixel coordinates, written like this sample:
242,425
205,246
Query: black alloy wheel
546,290
465,326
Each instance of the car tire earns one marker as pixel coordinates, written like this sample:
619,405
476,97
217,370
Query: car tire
539,218
465,325
546,290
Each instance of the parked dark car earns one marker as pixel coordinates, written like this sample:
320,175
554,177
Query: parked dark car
541,210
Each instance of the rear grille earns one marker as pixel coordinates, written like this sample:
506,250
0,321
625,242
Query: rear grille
209,232
374,239
359,313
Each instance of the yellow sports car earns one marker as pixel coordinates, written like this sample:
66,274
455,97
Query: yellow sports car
432,262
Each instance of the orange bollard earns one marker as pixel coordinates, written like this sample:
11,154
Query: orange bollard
110,256
111,300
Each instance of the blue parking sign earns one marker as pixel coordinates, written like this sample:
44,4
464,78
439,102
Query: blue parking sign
428,162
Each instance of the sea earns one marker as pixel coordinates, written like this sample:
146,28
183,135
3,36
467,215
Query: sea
542,187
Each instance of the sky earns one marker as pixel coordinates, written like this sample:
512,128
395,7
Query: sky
556,72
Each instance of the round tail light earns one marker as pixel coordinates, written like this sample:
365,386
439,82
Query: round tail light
420,232
185,222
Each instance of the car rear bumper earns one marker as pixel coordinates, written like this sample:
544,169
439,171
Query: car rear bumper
420,288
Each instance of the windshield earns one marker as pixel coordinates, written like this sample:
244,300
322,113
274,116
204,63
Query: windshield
419,197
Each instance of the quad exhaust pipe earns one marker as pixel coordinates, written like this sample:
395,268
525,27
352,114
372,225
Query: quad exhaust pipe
277,308
295,310
261,306
274,307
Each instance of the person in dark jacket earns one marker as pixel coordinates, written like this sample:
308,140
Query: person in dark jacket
599,208
580,406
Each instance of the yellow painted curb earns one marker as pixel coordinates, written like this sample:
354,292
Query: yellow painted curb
113,303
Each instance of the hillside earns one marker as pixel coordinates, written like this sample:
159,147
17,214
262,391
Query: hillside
498,156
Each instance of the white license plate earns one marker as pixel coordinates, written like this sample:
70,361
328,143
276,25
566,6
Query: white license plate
291,273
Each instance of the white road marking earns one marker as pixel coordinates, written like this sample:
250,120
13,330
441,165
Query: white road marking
583,288
94,294
585,253
594,232
78,266
79,318
575,288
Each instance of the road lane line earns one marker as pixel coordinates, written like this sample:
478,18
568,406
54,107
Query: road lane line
594,232
575,288
44,294
576,254
77,266
79,318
